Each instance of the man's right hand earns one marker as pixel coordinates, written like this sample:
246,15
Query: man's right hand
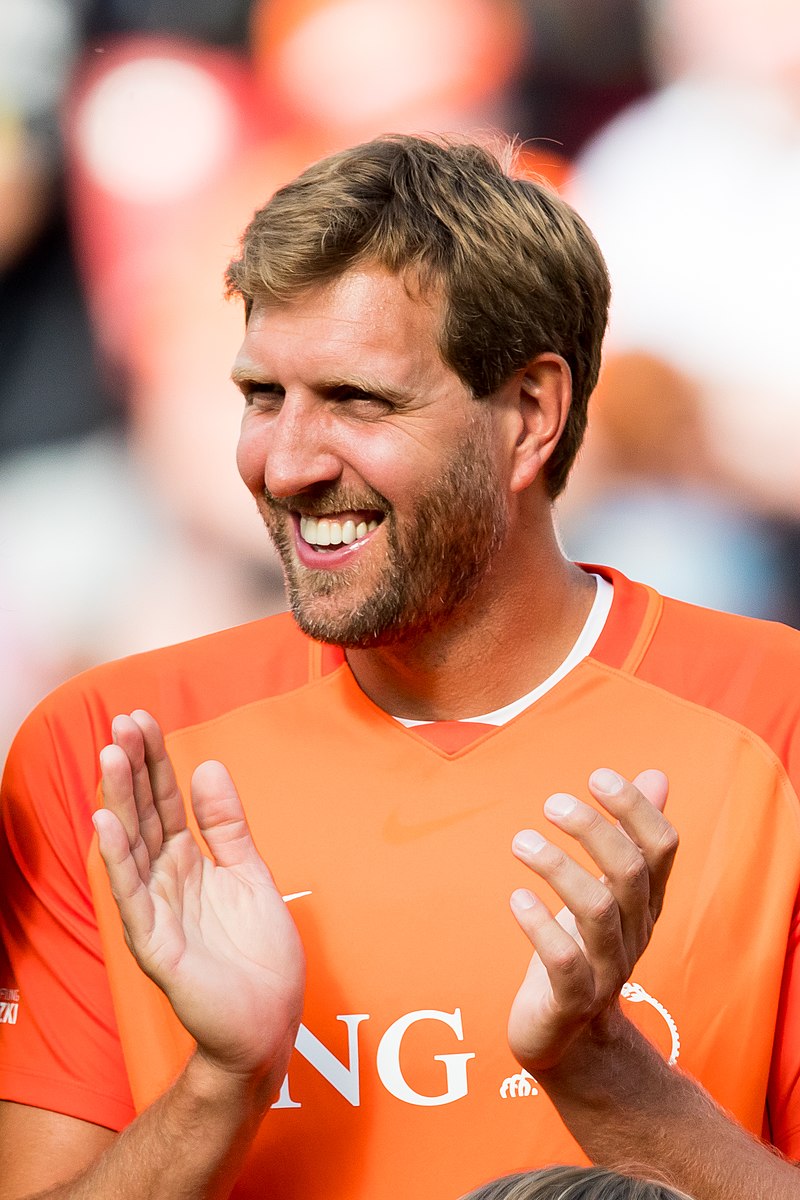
213,933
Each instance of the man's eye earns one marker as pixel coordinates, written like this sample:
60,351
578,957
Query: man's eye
263,397
366,402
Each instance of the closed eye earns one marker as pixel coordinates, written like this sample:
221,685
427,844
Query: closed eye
360,400
264,396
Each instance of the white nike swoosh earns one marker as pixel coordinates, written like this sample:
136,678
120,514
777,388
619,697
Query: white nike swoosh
295,896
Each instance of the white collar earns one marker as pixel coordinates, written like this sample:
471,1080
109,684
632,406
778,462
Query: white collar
585,643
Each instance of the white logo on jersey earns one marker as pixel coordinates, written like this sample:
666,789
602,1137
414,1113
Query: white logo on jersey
345,1077
455,1065
8,1012
637,995
522,1084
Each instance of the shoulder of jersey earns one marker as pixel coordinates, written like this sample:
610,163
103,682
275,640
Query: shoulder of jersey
189,682
744,668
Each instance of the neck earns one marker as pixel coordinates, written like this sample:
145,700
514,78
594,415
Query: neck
510,636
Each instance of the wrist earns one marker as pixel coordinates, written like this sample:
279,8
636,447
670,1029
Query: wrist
607,1063
229,1087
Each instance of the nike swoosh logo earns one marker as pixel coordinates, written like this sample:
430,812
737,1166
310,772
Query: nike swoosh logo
397,832
295,896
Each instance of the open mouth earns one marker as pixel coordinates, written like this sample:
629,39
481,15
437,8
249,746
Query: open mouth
330,533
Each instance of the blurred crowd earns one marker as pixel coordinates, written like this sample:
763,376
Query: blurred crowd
136,138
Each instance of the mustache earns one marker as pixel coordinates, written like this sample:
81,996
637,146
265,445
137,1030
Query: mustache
329,499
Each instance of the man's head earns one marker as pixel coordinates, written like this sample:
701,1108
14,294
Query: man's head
518,271
385,486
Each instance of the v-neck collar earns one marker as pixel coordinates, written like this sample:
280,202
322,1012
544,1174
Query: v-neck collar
628,630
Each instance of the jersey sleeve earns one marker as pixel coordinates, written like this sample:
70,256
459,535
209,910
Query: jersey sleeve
59,1048
783,1100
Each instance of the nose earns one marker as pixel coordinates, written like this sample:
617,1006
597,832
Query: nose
298,451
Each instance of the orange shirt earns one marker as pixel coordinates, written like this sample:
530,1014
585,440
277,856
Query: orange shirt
399,849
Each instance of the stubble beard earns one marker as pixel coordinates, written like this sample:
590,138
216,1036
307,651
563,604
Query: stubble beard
434,563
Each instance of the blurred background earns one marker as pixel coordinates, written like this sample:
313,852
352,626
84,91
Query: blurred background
137,137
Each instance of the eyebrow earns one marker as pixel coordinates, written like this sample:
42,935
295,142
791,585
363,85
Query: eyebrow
245,373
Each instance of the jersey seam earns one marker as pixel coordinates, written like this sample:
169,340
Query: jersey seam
645,633
590,663
759,744
209,722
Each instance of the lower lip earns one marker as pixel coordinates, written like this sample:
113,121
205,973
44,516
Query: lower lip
329,559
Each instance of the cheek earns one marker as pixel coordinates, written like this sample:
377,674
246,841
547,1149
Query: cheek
398,467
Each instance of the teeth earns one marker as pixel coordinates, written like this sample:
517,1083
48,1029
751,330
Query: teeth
325,532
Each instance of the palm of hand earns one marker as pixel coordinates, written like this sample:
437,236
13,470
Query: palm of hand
224,949
212,931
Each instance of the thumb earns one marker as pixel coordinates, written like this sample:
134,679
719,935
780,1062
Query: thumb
220,816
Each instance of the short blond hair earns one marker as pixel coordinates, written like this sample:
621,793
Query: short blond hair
517,269
574,1183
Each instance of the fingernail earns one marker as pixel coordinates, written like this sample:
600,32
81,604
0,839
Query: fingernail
560,804
529,841
522,899
607,781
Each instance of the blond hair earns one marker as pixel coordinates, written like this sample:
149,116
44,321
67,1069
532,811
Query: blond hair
574,1183
517,270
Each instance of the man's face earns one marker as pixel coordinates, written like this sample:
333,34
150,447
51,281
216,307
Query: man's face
379,477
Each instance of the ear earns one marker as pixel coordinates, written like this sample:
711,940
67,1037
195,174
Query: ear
543,397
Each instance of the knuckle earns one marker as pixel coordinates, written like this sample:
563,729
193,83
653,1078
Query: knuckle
567,960
553,859
591,820
634,874
602,908
668,841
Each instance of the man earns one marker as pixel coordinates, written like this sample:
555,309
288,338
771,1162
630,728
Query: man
423,333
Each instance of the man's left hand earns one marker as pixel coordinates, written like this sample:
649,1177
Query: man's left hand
588,950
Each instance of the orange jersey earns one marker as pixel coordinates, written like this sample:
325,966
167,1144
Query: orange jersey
394,846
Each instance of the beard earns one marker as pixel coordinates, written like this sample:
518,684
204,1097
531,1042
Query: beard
435,558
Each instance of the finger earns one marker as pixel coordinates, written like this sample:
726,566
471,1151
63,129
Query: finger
642,821
621,862
653,785
166,793
571,978
128,736
117,787
133,899
590,901
221,819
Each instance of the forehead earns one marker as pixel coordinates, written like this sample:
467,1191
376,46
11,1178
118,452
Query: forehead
367,319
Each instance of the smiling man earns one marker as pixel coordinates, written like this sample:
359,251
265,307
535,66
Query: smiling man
365,566
423,332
